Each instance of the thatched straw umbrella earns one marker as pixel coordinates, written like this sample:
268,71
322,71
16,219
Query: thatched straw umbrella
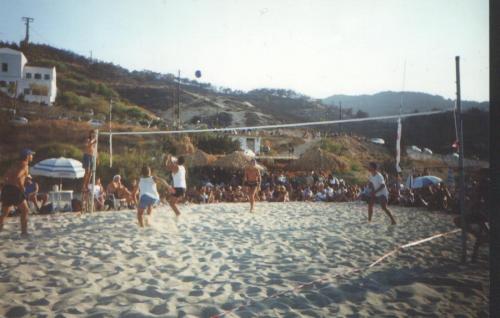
185,146
199,159
235,161
318,159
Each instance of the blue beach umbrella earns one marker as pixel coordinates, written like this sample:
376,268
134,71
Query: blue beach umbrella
425,181
66,168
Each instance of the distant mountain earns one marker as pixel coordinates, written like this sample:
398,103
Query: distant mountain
387,103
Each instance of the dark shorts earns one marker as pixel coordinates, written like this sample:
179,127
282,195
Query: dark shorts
12,195
251,183
88,161
179,192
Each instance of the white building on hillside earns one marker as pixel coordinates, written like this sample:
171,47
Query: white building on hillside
249,143
35,84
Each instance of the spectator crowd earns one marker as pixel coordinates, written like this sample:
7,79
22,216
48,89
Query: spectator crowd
284,186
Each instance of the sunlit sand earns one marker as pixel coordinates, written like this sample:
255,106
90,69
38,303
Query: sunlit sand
217,257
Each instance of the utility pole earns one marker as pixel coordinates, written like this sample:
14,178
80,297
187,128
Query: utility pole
27,21
340,125
174,109
461,161
178,120
110,135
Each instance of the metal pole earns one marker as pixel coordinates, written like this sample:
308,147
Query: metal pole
110,135
461,162
340,125
94,166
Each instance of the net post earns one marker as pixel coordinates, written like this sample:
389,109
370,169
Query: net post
94,166
110,150
461,162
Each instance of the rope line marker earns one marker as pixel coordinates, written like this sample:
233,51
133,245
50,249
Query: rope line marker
329,277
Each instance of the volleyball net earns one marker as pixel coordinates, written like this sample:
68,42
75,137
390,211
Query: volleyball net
388,118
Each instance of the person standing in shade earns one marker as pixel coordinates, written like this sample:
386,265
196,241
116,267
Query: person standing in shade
379,192
176,167
13,190
252,180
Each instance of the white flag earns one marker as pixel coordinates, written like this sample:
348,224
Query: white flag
398,147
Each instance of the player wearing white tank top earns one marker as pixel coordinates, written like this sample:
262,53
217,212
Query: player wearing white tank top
179,179
148,194
379,193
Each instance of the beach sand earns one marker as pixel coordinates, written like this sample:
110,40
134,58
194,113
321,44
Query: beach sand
217,257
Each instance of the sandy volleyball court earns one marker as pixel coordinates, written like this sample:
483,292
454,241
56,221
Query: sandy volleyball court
216,257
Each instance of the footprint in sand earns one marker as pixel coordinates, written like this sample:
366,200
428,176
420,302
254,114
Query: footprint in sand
16,311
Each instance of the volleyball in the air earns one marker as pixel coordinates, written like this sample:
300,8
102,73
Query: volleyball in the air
197,74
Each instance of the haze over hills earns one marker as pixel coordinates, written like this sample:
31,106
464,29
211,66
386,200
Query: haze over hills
87,84
388,103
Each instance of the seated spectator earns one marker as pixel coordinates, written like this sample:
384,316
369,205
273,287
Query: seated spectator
282,194
206,195
31,192
239,195
320,192
394,195
218,194
332,180
99,194
118,190
329,193
192,195
281,179
268,194
228,194
307,194
407,197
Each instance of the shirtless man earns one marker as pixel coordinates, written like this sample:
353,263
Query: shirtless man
13,190
252,180
88,158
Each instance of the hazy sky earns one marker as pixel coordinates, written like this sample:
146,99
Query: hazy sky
318,48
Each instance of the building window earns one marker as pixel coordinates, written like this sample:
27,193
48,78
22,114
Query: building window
28,75
38,76
5,67
46,76
27,91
